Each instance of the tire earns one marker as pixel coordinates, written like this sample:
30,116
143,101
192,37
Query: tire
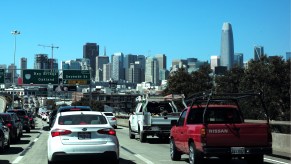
2,148
175,154
194,156
131,136
8,144
257,159
142,136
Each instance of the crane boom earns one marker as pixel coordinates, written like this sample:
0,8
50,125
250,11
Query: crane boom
52,47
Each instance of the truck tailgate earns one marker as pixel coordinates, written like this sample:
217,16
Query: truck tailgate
237,135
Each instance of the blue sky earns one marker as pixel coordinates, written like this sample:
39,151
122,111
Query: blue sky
179,29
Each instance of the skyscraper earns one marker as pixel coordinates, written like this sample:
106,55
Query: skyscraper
23,65
152,71
128,60
238,60
117,66
214,62
258,52
100,61
91,51
227,46
41,61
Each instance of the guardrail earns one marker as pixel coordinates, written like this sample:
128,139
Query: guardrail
281,142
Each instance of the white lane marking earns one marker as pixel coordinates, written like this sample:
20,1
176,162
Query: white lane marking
143,159
35,140
272,160
17,159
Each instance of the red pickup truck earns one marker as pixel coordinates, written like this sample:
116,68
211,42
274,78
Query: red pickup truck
215,127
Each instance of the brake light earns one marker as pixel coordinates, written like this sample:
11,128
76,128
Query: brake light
114,118
26,117
107,131
60,132
9,125
75,109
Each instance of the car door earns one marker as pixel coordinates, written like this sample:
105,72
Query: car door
178,131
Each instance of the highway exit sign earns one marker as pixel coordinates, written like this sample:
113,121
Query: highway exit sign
72,77
37,76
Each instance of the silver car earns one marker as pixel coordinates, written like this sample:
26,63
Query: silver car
82,135
111,119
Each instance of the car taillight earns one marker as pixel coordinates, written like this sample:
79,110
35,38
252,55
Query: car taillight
60,132
107,131
114,118
30,119
9,125
26,117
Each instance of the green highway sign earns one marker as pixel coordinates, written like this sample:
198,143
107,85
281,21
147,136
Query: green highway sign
2,76
81,77
38,76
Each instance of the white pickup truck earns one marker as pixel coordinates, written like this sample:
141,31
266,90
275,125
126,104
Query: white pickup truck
153,115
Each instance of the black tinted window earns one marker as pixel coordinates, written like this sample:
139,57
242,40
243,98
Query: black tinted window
82,119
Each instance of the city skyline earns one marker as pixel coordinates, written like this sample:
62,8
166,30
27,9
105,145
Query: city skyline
178,30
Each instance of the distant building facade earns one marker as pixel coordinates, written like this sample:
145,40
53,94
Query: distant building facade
258,52
91,51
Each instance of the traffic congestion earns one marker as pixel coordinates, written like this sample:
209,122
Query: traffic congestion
78,134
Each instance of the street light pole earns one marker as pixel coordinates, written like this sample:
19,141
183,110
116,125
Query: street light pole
15,33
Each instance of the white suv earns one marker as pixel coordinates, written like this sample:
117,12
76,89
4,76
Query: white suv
111,119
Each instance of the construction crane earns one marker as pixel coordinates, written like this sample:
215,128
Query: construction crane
52,47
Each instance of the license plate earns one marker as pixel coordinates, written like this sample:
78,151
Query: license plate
84,135
237,150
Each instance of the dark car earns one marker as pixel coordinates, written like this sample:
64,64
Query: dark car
31,119
52,117
4,136
13,122
22,114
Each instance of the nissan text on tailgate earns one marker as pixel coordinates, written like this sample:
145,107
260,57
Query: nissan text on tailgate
214,126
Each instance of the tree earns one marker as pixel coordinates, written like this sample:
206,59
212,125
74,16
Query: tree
181,82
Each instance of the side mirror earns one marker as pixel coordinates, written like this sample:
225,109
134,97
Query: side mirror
174,122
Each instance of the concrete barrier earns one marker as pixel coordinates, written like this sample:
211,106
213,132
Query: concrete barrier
281,142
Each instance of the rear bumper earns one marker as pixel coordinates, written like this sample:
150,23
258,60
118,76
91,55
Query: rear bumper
62,156
208,151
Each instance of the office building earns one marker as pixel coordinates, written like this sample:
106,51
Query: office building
214,62
71,64
100,61
152,71
117,67
128,60
258,52
107,70
135,72
23,65
41,61
227,46
91,51
162,60
238,60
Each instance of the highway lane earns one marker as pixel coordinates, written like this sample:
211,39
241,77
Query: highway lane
33,150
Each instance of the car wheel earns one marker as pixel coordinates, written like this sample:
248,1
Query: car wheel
2,145
175,154
142,136
8,144
131,136
194,156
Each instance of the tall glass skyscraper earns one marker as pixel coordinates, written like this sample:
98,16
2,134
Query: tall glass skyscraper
227,48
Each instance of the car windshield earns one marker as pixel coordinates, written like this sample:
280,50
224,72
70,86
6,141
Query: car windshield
82,119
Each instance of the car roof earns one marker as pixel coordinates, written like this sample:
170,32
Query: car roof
74,108
80,112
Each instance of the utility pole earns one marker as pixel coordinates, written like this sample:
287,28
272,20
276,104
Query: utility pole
15,33
52,47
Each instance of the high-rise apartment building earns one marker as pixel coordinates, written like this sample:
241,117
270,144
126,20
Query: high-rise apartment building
23,65
227,46
100,61
91,51
117,67
258,52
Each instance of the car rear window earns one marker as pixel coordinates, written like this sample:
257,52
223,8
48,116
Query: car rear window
82,119
214,115
108,114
